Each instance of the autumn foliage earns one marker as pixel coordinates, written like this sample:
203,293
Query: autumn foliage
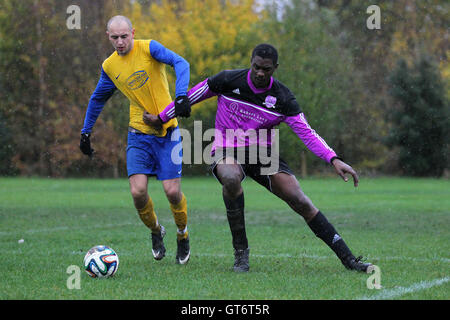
337,68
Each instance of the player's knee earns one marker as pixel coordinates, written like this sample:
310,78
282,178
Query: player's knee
173,194
302,204
138,192
232,184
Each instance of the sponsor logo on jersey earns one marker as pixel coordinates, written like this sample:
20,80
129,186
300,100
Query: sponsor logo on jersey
137,80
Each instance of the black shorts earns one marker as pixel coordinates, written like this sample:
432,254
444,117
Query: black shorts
258,163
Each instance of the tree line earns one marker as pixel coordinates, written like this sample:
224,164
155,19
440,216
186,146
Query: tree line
379,97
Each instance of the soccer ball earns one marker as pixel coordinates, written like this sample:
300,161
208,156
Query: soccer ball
101,262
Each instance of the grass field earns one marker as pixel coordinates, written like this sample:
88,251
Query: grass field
402,225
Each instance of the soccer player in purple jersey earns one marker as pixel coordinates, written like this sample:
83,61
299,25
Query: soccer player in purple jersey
250,102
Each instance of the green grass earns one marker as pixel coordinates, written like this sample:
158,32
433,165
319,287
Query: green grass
401,225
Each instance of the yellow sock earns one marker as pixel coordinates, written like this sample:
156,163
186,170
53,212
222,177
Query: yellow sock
179,212
148,217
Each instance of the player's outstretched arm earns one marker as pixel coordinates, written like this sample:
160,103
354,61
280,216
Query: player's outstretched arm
104,90
342,169
198,93
319,147
182,71
177,62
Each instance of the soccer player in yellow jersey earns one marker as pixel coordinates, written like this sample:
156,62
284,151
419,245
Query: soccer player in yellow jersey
137,69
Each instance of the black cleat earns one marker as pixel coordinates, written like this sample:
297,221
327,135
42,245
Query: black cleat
356,264
158,249
183,251
241,260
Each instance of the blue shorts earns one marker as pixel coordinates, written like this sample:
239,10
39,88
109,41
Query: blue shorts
157,156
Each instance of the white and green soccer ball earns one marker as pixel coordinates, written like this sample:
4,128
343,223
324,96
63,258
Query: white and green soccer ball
101,262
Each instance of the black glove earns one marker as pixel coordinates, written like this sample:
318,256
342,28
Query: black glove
182,107
85,144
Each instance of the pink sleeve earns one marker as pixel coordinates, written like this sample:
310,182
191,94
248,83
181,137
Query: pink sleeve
198,93
310,138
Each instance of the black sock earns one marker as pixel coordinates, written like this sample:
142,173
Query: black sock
236,220
325,231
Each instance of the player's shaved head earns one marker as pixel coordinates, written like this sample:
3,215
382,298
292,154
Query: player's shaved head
117,20
121,34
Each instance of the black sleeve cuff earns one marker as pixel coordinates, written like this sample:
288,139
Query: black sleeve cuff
331,160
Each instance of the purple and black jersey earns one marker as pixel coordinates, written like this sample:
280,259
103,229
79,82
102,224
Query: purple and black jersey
245,114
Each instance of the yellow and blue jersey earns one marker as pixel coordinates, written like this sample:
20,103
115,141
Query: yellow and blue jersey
140,75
